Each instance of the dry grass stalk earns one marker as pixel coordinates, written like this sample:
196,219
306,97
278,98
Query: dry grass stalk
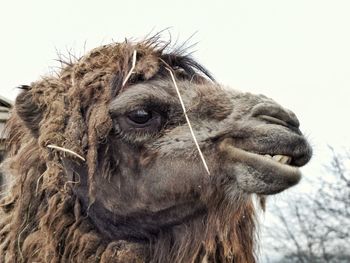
188,121
51,146
132,68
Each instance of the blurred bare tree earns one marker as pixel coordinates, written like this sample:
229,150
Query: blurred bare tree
315,228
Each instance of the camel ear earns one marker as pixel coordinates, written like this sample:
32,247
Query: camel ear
28,110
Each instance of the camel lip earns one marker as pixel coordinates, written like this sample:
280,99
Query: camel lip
262,158
297,153
275,158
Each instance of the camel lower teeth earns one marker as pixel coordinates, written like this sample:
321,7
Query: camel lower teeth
282,159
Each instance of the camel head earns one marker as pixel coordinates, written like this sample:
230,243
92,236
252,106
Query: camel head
142,172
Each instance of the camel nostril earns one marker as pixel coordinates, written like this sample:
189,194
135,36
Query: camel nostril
273,120
276,115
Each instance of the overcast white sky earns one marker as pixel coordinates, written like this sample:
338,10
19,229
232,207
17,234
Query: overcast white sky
296,52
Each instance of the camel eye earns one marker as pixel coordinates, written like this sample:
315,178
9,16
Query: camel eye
142,120
145,121
140,116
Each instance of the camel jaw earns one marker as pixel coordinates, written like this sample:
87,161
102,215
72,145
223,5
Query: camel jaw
261,174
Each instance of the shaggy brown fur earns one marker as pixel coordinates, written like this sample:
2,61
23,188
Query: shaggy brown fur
53,211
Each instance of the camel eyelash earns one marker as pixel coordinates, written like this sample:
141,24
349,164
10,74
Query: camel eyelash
135,136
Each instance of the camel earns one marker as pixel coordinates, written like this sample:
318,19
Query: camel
102,165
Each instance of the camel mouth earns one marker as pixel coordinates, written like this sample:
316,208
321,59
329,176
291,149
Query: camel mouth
285,163
295,159
291,160
283,159
262,173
